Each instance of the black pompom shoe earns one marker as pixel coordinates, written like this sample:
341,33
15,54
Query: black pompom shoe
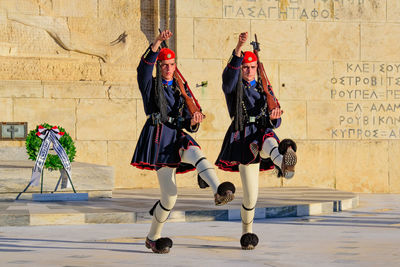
160,246
225,193
288,148
249,241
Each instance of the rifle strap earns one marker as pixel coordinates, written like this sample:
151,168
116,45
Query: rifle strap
183,91
239,112
159,94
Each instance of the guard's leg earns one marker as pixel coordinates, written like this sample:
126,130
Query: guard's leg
282,155
249,176
224,192
161,210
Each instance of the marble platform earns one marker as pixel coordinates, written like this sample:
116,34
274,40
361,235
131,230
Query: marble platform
193,204
16,171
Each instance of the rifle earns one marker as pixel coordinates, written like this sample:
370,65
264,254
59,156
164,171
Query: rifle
191,102
272,102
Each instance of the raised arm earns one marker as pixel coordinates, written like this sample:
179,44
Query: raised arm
231,71
146,65
163,36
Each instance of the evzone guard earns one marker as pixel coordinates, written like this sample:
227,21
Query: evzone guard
163,145
250,144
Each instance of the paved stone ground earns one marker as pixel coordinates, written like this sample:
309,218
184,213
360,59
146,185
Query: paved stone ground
366,236
132,206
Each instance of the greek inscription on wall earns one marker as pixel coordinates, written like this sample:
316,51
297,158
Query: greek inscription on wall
370,93
321,10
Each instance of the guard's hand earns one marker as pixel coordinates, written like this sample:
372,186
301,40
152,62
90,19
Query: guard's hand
275,113
196,118
164,35
243,38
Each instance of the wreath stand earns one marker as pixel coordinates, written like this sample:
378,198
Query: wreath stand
50,136
51,196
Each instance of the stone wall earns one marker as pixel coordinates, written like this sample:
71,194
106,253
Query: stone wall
335,68
333,64
90,87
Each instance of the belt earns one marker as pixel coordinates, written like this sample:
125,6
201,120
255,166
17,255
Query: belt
156,119
251,119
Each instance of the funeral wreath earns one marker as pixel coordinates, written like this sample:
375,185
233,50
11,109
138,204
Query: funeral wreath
34,141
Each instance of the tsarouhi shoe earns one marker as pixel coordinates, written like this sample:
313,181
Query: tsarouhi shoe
249,241
160,246
225,193
288,149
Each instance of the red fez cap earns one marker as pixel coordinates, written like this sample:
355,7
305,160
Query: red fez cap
166,54
249,57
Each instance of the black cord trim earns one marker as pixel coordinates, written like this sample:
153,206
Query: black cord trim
199,161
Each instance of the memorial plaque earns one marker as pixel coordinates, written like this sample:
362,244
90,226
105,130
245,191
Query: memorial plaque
13,130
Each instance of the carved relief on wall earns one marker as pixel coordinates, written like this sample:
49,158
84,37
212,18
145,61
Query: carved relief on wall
58,29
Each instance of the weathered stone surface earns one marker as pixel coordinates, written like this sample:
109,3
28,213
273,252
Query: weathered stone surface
352,172
358,75
12,144
75,8
120,9
120,155
99,119
364,11
393,10
333,41
333,65
35,111
283,40
140,117
6,109
33,41
207,70
21,89
305,80
13,153
120,73
294,123
276,10
315,166
5,31
71,70
382,36
15,176
325,120
15,219
199,8
74,90
120,217
95,36
353,120
185,33
123,90
382,119
216,122
62,219
49,197
266,179
19,68
91,152
225,36
25,7
394,168
305,10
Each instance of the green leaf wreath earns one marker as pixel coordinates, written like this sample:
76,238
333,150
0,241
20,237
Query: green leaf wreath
53,162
